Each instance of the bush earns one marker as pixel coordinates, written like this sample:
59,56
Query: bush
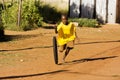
0,8
84,22
30,18
9,16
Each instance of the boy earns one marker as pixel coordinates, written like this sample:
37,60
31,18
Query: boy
66,35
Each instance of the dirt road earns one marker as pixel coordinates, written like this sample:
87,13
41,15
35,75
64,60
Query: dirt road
29,55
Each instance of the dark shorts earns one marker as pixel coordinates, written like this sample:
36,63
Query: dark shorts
69,45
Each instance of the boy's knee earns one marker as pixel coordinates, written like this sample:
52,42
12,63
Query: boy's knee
60,50
70,48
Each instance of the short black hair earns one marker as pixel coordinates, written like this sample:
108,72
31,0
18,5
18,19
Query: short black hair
65,15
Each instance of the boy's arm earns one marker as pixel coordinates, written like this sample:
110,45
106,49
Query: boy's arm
76,33
57,28
78,40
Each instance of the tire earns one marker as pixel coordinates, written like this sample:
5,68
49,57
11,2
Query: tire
55,50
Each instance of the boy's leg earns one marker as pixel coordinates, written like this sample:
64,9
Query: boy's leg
69,46
62,48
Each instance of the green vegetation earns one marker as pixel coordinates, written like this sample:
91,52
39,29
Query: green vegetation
84,22
35,14
30,18
9,16
0,8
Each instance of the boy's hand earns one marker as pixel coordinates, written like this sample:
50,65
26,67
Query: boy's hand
78,40
55,26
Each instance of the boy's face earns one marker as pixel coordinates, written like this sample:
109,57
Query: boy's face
64,19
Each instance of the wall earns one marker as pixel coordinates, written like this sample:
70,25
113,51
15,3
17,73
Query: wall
104,10
74,8
87,8
101,10
112,11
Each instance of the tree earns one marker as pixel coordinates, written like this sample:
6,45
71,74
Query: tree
3,4
19,12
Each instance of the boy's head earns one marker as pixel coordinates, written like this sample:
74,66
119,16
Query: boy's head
64,18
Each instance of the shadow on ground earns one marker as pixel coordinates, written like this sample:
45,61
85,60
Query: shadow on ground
48,46
98,42
26,48
49,27
7,38
31,75
86,60
66,71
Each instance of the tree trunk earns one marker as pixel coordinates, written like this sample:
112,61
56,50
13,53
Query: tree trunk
19,12
12,2
3,4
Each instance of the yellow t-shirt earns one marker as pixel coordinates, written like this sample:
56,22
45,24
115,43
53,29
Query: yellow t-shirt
66,33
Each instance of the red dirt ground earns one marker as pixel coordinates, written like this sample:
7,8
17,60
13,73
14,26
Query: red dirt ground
29,55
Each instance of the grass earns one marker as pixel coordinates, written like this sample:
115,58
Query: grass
85,22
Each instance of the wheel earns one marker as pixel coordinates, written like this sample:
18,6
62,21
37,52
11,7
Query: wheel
55,50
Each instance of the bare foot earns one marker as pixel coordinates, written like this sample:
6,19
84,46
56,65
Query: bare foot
63,60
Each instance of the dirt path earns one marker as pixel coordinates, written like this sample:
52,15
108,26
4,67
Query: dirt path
29,56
